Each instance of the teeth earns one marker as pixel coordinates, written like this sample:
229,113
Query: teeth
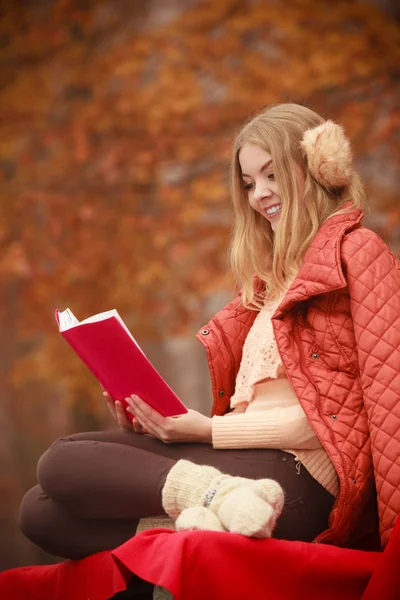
274,209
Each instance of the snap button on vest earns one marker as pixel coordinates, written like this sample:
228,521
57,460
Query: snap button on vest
205,332
221,392
315,355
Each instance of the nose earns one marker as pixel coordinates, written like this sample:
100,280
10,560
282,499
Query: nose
263,190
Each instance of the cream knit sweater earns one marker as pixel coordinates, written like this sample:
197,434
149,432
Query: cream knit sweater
267,412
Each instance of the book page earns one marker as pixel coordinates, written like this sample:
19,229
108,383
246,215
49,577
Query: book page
102,316
68,320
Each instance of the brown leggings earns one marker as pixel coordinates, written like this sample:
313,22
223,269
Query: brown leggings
94,487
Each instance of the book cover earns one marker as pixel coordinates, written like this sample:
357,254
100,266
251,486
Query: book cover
105,345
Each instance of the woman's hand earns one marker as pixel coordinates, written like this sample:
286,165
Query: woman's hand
190,427
118,412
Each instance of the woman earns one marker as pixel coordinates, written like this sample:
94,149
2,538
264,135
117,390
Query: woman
303,369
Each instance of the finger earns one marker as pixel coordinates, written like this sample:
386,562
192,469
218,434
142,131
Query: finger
146,412
137,427
111,405
145,426
134,422
142,418
151,420
122,418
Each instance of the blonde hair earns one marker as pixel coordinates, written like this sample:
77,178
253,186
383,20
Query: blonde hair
255,249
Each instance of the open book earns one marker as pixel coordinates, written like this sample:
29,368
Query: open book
109,350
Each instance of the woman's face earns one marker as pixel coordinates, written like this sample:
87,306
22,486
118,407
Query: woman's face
259,182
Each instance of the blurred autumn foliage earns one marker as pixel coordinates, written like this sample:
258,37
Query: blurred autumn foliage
116,125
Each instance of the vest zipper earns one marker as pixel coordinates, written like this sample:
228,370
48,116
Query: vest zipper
228,349
341,505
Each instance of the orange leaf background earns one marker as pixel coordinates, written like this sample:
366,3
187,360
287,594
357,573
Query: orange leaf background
116,125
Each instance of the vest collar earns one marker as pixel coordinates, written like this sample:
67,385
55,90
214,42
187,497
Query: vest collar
321,271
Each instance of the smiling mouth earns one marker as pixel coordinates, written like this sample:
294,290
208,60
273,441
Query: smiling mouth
273,210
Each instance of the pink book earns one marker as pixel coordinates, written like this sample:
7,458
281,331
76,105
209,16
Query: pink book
109,350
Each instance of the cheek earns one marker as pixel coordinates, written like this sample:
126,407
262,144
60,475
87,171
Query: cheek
251,201
275,189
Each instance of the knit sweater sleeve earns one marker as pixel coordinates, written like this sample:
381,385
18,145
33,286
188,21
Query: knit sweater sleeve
284,427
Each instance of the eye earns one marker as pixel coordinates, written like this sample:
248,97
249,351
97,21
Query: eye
247,186
271,176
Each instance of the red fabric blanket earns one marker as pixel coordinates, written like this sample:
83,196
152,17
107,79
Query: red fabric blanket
195,565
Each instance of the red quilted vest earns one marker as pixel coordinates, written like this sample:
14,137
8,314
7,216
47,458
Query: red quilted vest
338,335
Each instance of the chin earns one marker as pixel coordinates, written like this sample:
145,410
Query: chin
274,226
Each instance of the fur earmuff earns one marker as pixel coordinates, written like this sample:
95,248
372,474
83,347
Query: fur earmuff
329,155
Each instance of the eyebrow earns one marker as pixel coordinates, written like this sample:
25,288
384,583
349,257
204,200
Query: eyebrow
262,168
